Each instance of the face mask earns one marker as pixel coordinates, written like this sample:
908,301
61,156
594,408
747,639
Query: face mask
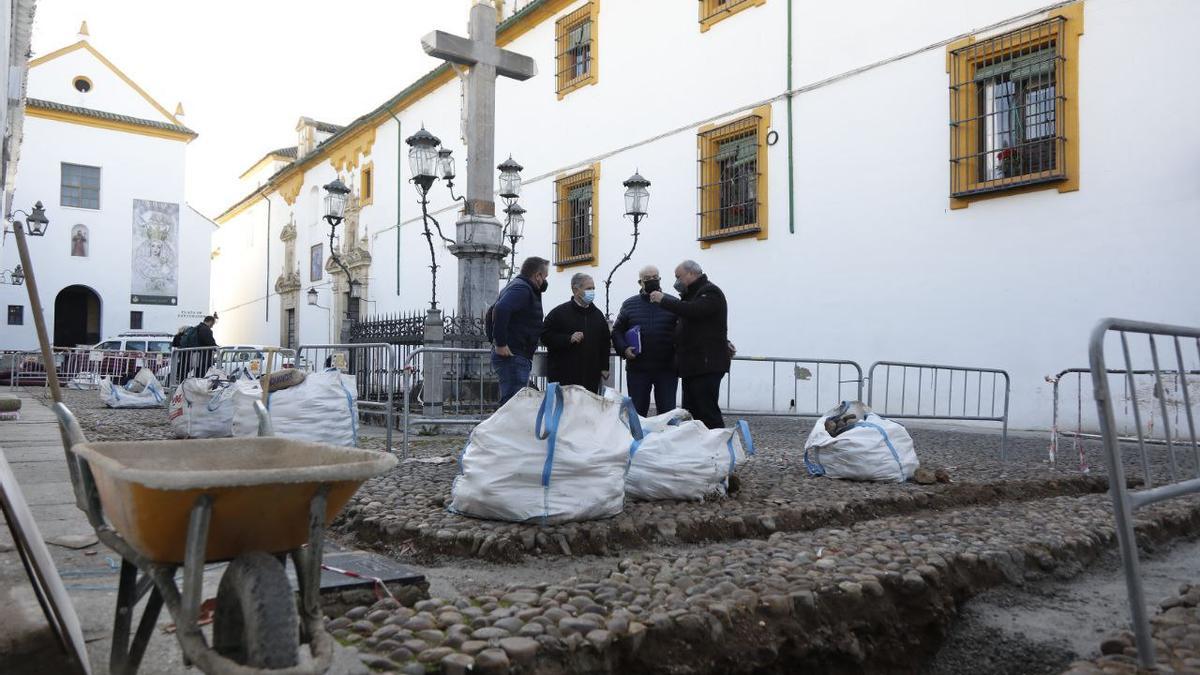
680,286
589,296
544,286
651,285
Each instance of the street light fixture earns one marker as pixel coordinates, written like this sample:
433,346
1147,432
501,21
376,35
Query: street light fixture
423,158
36,222
312,297
510,179
637,201
514,228
335,201
335,211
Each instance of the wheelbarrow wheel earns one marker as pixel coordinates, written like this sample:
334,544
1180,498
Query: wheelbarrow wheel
256,622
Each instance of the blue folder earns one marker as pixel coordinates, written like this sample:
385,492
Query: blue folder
633,338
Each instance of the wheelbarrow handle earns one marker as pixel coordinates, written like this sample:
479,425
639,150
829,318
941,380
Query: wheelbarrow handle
264,419
87,498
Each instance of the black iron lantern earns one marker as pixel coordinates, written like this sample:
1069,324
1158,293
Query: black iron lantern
516,221
355,289
36,222
335,200
423,157
637,197
445,165
510,178
312,297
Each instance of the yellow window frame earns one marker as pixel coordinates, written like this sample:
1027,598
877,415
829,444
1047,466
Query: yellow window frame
565,82
708,186
713,12
366,184
963,56
563,185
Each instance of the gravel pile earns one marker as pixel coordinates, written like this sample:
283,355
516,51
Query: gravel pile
874,596
1176,634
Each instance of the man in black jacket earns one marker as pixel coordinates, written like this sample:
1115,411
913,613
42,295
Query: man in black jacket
576,335
204,338
517,325
654,366
702,349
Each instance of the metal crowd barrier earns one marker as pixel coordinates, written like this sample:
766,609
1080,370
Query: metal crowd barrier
82,367
1124,501
373,367
930,390
1084,423
454,372
251,362
805,374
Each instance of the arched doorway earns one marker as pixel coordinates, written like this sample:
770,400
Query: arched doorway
76,317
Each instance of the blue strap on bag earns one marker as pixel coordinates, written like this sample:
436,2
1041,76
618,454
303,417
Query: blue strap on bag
549,413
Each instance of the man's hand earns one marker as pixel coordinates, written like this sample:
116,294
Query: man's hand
503,351
630,354
732,349
656,296
576,337
604,375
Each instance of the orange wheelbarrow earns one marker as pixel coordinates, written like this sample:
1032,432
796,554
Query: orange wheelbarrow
254,502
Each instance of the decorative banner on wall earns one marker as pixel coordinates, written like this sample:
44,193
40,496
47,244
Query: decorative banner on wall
155,253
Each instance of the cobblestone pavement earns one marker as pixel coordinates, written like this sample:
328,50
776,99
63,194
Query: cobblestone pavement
1176,633
876,596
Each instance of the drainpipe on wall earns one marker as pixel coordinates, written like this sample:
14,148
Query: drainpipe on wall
399,193
267,309
791,154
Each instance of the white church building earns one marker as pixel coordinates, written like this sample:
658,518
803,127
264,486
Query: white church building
942,182
123,250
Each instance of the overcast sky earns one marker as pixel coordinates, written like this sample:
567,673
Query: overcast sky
247,70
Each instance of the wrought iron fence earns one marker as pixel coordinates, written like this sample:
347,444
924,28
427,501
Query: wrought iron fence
926,391
467,372
1180,444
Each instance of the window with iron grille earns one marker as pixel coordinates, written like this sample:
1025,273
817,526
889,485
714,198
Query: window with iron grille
135,320
732,189
713,11
16,315
291,328
1011,113
575,218
575,40
80,186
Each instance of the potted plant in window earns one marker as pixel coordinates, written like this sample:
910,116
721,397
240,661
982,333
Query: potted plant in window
1010,162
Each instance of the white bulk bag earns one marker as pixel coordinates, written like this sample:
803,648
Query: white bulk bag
140,381
680,458
876,449
199,411
322,409
550,458
150,396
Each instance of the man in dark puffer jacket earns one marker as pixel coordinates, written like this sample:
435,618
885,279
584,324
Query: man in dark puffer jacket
654,366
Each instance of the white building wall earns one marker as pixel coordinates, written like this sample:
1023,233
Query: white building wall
54,80
879,267
157,174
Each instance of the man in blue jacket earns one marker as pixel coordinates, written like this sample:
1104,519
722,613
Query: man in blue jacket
652,368
517,326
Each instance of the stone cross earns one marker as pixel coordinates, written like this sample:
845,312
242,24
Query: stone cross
479,248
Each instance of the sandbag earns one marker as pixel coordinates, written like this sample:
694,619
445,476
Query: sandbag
140,381
197,410
680,458
549,458
284,379
875,449
151,396
322,408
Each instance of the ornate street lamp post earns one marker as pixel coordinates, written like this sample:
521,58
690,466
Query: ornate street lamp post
514,229
335,211
36,223
427,160
637,200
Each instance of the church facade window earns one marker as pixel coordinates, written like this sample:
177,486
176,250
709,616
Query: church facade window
16,315
714,11
1013,110
290,338
576,49
135,320
79,241
366,184
80,186
576,218
732,174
